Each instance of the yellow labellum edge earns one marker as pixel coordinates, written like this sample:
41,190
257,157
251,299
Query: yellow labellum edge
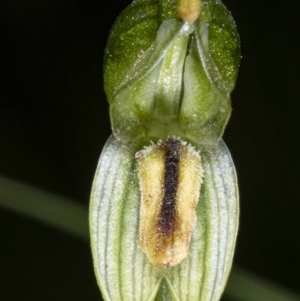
123,269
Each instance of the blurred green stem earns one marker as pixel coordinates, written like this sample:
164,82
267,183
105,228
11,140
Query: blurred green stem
67,215
61,213
244,286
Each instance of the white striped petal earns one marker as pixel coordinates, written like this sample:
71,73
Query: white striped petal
122,270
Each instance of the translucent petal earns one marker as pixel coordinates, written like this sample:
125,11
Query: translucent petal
123,271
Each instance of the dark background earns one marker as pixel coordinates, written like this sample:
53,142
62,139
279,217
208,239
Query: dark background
54,122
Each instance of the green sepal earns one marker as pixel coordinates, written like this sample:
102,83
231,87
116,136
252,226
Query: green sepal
149,44
123,271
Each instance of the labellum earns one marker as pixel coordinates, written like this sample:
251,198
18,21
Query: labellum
170,175
164,203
